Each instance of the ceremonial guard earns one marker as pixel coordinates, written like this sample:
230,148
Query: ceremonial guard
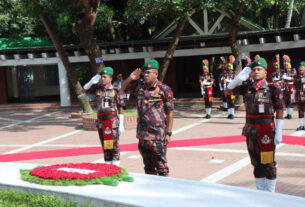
289,92
261,100
206,83
230,75
276,75
155,107
221,80
299,83
110,116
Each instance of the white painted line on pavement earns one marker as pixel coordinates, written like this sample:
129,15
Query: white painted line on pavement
134,157
195,124
8,119
208,149
221,174
216,161
27,121
234,151
298,133
225,172
286,154
43,142
103,161
50,145
99,161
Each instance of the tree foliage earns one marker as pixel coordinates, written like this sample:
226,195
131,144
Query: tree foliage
16,25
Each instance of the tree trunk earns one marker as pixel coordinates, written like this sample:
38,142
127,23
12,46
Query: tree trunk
289,15
233,37
172,47
234,46
112,30
65,60
84,28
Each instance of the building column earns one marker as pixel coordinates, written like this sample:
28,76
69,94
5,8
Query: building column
13,80
65,99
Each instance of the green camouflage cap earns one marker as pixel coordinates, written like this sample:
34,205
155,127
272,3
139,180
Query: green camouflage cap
151,64
259,62
106,70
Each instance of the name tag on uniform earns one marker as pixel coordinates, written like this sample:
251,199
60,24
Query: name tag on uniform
261,108
106,104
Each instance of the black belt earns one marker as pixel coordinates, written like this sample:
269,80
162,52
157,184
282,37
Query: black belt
106,117
259,121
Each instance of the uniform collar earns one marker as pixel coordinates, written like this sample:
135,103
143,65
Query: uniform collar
261,84
107,87
154,85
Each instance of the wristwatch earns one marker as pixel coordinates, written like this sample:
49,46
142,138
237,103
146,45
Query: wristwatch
169,133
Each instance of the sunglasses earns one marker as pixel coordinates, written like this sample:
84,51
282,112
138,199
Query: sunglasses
147,72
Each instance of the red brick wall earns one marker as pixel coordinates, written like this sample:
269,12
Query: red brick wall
3,89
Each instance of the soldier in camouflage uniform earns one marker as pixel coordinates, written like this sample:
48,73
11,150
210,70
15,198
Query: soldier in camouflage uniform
230,75
110,101
206,82
155,107
261,99
289,93
299,83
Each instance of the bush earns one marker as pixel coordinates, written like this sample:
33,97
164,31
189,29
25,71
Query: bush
13,198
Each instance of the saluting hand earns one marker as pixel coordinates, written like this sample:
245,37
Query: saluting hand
248,60
135,75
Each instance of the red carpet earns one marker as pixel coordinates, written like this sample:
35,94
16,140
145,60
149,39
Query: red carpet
133,147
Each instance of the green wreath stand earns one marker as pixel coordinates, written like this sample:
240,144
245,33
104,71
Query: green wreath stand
107,180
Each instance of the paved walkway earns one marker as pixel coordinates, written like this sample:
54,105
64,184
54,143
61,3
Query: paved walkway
30,131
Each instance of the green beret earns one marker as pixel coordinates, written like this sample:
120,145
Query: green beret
151,64
106,70
259,62
302,63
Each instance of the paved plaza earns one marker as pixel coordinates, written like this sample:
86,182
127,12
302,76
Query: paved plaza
224,163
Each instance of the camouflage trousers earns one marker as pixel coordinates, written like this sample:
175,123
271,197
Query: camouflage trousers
207,102
260,170
301,109
154,157
111,154
230,101
223,97
287,100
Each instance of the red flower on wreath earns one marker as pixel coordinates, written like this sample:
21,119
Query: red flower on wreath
76,171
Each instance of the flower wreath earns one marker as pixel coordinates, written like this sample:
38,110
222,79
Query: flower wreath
76,174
